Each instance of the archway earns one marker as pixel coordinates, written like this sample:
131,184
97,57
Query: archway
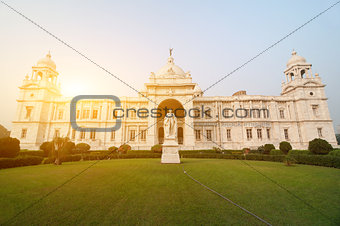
179,111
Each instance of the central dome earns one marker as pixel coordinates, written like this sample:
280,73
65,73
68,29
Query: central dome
46,62
170,69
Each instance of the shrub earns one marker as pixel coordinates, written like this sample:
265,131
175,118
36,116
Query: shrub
66,158
245,151
68,148
319,147
217,149
32,153
299,152
285,147
334,153
20,161
319,160
260,149
113,149
268,148
46,147
9,147
276,152
82,147
123,149
157,148
289,160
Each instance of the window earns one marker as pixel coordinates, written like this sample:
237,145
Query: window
265,113
249,134
94,114
28,112
198,134
57,133
93,135
73,136
286,134
268,133
228,134
209,137
132,135
315,109
143,135
60,114
259,134
113,135
282,114
86,114
82,134
23,133
78,114
320,132
207,113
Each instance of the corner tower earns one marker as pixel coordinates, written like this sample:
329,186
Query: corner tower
34,107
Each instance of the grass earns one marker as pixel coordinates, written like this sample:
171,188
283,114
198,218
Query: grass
142,191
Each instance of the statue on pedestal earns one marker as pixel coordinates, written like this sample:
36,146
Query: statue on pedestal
170,125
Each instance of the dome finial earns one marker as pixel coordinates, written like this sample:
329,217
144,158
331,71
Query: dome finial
170,50
48,54
294,52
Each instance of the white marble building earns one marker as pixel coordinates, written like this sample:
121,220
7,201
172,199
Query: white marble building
298,115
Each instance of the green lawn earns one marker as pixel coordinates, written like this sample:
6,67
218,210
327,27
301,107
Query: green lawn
142,191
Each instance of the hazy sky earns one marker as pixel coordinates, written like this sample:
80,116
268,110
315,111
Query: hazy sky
131,39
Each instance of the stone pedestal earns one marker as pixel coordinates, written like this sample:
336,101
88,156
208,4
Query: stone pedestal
170,151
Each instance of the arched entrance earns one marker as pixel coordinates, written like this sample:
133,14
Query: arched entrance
176,108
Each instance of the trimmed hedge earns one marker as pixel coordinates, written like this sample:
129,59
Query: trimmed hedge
318,160
319,146
66,158
334,153
276,152
20,161
285,147
9,147
32,153
299,152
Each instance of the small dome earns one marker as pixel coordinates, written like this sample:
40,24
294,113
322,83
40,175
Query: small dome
197,89
170,69
46,62
295,59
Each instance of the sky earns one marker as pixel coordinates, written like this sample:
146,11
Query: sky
132,39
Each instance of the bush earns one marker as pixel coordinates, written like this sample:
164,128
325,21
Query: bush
66,158
82,147
276,152
68,148
268,148
113,149
157,148
9,147
46,147
123,149
20,161
319,160
319,147
334,153
289,160
260,149
245,151
217,149
285,147
32,153
299,152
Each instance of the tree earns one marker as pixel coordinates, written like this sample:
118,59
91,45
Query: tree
268,148
285,147
260,149
9,147
338,138
319,146
60,146
113,149
123,149
47,148
82,148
